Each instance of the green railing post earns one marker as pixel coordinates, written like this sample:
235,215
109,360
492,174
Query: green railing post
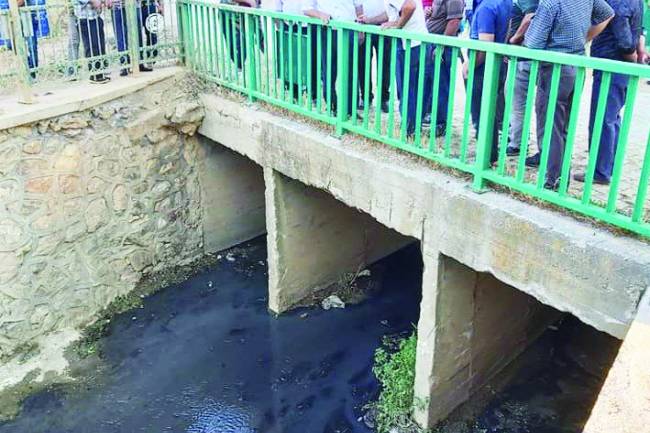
251,78
132,35
486,120
342,77
25,93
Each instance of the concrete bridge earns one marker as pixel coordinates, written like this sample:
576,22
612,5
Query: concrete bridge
497,270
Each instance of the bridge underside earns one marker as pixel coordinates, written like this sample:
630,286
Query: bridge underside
497,271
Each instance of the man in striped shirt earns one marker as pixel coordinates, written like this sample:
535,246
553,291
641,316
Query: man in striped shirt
564,26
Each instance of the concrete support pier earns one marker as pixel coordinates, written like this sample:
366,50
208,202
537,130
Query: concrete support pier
471,327
313,239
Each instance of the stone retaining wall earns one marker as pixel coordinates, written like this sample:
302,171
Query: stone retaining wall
90,202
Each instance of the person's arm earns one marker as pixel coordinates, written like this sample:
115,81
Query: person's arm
541,26
602,14
452,27
378,19
455,11
642,54
405,14
310,10
518,37
249,3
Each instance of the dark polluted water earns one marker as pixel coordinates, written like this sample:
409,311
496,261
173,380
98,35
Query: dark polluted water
205,356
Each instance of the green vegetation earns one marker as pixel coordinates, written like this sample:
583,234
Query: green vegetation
89,344
395,370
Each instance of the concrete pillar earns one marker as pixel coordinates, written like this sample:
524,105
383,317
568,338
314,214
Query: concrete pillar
471,326
232,195
623,405
313,239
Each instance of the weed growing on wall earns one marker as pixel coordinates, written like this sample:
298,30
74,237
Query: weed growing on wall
395,370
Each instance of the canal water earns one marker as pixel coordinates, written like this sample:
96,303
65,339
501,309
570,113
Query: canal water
205,356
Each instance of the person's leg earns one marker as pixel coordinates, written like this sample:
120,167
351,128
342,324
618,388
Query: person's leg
428,83
519,106
560,125
413,90
102,42
541,101
313,30
328,71
84,29
611,127
477,95
385,68
361,71
95,50
443,90
121,32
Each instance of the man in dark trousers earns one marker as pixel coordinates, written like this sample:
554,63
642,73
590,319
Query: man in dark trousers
326,10
490,21
619,41
442,18
563,26
91,27
369,9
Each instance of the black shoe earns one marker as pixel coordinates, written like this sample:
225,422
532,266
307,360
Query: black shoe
143,68
441,130
124,72
99,79
553,185
533,161
384,107
512,151
580,177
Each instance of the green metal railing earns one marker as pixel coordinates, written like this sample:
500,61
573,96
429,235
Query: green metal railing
43,41
289,61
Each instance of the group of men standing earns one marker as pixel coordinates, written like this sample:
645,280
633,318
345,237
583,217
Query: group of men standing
566,26
86,22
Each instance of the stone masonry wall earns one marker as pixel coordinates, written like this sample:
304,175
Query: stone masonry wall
92,201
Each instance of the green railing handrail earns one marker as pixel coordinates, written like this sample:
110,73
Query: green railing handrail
224,44
607,65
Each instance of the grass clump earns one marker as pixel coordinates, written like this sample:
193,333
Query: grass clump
395,369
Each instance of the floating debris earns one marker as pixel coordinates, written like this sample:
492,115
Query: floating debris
332,301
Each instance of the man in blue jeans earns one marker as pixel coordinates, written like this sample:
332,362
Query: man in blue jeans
563,26
490,22
619,41
523,12
443,18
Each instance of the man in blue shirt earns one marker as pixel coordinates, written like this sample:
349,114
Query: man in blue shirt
619,41
489,23
563,26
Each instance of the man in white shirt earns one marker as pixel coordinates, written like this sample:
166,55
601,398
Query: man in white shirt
407,15
294,7
373,8
326,10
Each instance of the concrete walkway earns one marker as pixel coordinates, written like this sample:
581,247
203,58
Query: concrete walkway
75,96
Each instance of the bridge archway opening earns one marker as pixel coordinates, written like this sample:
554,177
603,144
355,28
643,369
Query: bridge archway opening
498,358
